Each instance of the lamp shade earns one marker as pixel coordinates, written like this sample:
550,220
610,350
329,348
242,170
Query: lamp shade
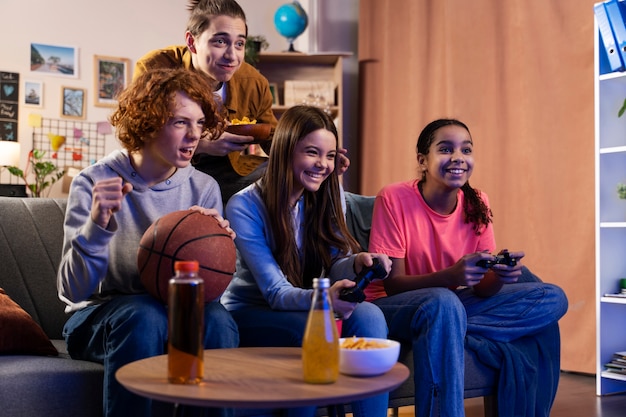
9,153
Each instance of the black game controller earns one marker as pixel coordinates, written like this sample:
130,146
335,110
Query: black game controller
504,258
355,294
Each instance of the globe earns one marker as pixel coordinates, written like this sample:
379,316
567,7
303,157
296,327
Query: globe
290,21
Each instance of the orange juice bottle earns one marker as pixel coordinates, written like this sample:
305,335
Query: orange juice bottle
320,346
185,351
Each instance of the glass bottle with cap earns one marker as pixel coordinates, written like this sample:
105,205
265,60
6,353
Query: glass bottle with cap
320,345
185,353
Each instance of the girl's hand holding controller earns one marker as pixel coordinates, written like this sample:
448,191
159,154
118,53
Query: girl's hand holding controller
503,269
503,258
508,266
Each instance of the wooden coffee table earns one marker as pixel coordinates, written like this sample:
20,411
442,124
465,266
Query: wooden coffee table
253,378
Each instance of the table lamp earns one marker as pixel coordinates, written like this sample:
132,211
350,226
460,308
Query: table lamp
10,156
9,153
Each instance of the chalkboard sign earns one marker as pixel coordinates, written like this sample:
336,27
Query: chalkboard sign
9,96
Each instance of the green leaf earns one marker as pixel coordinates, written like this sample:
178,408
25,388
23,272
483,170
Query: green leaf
622,110
16,171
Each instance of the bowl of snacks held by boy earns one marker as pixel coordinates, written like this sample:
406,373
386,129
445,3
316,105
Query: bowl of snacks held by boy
367,356
249,127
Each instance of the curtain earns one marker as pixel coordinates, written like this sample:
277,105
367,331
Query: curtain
520,75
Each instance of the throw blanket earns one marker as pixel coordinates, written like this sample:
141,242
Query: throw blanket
529,367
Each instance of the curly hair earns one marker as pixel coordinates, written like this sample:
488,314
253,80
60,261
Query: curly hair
203,10
146,105
476,211
324,222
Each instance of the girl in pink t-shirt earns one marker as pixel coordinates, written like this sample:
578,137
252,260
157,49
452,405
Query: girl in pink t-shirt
438,232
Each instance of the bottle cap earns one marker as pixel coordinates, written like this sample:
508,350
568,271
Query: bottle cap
186,266
321,283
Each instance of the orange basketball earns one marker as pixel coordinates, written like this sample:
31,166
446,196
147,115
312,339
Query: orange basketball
186,235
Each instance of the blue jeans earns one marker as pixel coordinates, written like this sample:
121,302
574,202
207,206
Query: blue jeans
132,327
262,326
436,321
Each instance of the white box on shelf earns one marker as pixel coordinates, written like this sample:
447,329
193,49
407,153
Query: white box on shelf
301,91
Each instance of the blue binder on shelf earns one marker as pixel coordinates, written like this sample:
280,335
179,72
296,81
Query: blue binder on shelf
616,20
606,33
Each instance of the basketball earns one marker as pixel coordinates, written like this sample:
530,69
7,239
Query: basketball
186,235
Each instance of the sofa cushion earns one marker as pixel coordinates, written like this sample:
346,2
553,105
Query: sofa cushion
31,241
19,333
359,210
50,386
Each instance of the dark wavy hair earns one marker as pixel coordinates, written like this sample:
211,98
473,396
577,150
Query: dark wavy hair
476,211
203,10
145,106
324,223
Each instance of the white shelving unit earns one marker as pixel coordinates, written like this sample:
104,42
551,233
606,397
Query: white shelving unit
610,169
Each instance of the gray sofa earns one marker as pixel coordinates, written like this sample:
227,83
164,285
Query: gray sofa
31,232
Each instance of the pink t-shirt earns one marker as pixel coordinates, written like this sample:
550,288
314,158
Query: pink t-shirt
404,226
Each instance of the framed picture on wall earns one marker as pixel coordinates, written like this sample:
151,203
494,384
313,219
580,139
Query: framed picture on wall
274,91
54,60
33,93
111,75
73,102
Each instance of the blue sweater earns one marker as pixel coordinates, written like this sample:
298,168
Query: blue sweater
258,279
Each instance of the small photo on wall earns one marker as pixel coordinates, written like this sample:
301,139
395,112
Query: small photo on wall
33,93
73,102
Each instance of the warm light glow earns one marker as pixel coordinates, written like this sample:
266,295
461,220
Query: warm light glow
9,153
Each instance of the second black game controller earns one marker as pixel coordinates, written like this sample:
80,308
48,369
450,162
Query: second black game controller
355,294
503,258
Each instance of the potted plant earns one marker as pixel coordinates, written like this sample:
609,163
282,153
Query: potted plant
254,45
45,173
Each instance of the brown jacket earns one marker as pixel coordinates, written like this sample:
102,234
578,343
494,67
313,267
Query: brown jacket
247,92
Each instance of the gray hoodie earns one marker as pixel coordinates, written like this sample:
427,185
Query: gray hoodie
99,263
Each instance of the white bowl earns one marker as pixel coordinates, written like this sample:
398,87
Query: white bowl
368,362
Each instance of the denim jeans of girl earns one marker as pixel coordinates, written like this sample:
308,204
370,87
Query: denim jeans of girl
436,321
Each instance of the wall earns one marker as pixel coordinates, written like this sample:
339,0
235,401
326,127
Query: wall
522,79
129,29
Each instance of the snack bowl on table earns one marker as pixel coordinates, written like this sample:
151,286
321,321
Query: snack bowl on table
376,357
259,131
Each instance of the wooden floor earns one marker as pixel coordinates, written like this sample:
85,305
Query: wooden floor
576,396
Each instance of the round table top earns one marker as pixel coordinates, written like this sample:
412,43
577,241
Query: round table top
253,377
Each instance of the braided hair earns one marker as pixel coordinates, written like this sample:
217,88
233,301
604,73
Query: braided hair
475,209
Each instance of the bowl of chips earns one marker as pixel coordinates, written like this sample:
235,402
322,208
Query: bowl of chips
249,127
367,356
